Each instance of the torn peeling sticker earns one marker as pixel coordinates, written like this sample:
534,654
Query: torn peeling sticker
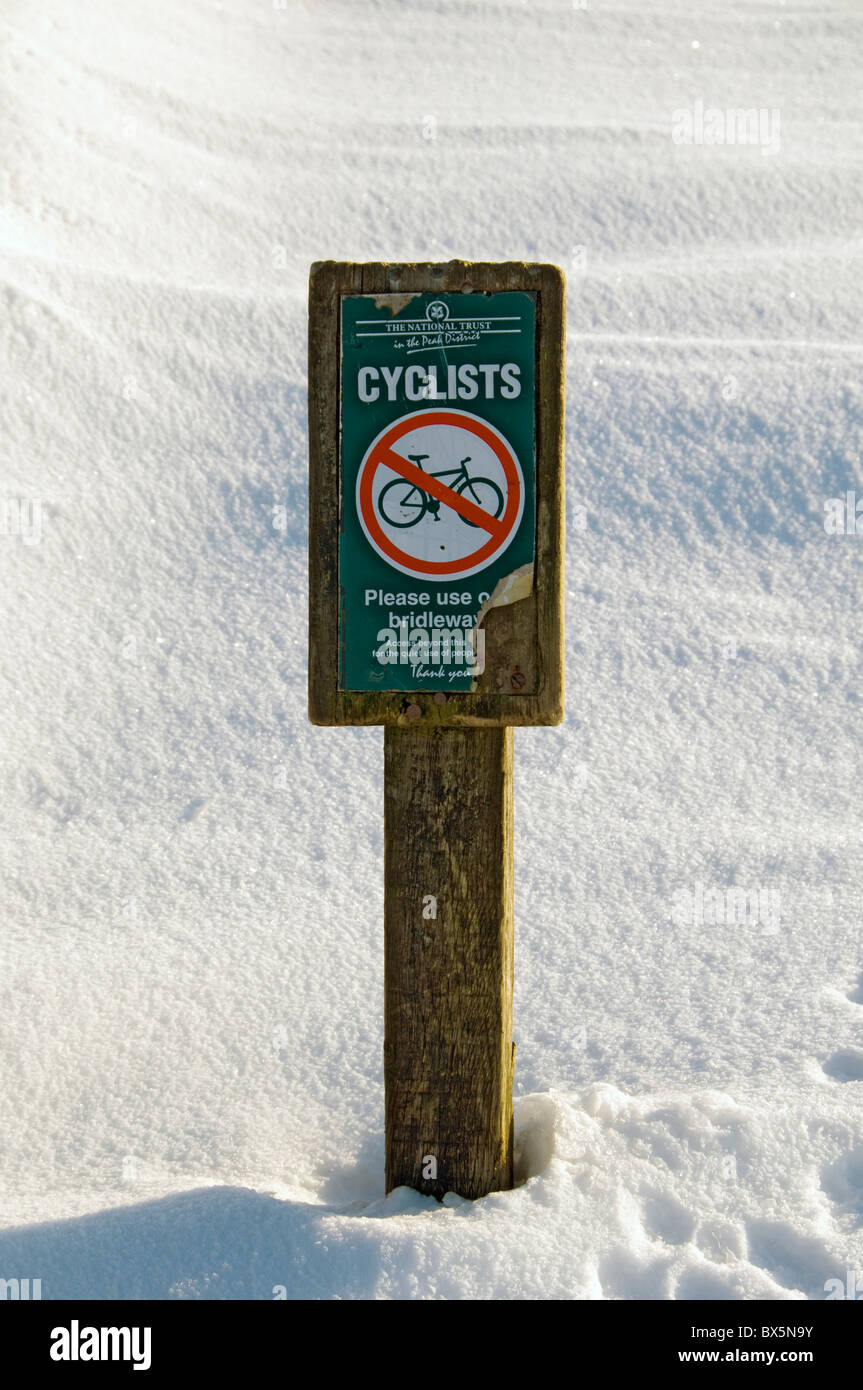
394,302
509,589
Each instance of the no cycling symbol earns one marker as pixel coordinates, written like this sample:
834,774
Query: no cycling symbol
440,494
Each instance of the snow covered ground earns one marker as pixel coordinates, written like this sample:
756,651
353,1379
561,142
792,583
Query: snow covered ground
191,1096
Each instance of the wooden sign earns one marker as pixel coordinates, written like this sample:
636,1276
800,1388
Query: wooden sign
436,494
436,609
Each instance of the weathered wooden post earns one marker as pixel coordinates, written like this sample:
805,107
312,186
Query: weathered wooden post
448,1051
436,609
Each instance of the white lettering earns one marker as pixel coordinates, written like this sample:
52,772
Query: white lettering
367,392
416,383
391,377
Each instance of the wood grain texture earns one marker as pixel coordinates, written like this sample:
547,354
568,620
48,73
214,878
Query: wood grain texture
533,625
448,1052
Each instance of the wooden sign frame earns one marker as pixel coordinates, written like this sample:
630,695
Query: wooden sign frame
524,638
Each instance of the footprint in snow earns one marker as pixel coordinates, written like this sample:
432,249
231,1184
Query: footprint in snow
791,1259
845,1065
842,1180
668,1220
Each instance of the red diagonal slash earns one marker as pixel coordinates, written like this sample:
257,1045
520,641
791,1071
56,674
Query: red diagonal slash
441,492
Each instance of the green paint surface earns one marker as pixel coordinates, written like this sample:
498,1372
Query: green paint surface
452,377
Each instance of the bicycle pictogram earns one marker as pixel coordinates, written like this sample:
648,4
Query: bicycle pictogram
452,470
403,503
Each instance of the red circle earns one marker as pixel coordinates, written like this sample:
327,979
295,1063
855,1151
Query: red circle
460,421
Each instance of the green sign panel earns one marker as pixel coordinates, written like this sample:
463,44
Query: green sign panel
438,482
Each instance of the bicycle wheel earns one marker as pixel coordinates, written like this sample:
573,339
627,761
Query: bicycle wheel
401,503
484,493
